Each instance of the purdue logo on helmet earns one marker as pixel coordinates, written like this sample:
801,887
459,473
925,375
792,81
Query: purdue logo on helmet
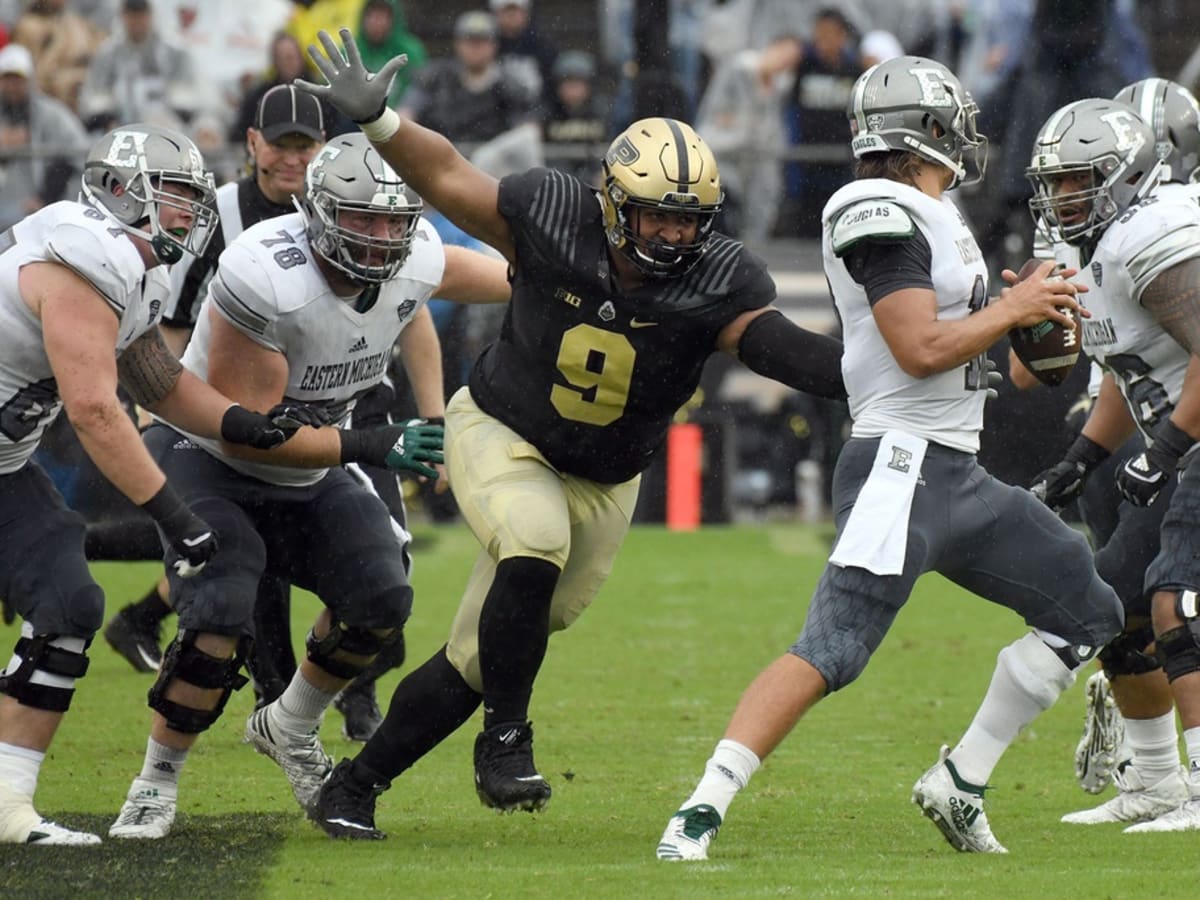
659,164
1104,152
917,106
360,216
134,171
1172,112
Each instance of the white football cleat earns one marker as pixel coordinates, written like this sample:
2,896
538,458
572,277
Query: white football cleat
1137,801
955,807
147,813
21,824
301,756
1096,756
689,833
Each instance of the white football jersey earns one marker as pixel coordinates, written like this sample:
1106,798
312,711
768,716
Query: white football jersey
946,408
1123,337
93,246
268,286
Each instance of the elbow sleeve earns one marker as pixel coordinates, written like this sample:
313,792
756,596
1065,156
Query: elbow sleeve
776,348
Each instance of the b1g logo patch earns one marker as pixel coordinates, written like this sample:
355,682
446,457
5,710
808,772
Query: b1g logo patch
622,152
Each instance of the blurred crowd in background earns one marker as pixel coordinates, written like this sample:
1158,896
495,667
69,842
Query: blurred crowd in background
518,83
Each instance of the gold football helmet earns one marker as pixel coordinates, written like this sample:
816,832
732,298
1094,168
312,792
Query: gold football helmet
659,164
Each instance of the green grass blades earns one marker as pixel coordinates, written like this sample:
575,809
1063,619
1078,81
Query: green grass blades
629,705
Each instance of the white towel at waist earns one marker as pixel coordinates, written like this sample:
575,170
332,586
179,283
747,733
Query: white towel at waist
875,536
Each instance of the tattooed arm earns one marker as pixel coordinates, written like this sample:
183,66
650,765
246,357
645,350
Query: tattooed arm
157,380
1173,298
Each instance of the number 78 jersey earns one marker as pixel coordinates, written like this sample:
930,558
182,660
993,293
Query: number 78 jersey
268,286
1121,335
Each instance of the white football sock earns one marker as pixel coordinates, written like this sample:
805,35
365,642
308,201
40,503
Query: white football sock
19,767
1028,678
1154,745
1191,739
301,706
726,773
162,765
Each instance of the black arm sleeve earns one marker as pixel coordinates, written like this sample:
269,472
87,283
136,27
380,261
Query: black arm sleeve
884,267
776,348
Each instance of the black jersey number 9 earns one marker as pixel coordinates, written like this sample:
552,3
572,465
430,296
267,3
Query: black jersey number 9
598,366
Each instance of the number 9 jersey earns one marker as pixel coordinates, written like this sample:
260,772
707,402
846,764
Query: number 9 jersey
591,376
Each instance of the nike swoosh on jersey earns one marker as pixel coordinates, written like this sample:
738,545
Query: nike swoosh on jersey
638,323
196,542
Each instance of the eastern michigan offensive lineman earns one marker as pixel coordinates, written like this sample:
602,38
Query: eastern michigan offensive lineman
81,294
1095,171
306,306
618,300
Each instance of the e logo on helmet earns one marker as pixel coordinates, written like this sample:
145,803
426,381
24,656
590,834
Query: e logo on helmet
933,87
126,149
1121,122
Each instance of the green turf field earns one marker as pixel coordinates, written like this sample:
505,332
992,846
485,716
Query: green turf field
629,705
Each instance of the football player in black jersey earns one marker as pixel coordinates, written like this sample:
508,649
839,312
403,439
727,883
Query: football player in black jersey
617,302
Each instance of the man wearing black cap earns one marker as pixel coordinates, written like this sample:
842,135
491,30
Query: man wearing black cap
289,128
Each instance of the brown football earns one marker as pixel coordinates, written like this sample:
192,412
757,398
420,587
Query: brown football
1047,349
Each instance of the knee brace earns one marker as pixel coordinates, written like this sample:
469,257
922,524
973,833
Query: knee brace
44,669
185,662
1038,669
1179,648
347,650
1126,654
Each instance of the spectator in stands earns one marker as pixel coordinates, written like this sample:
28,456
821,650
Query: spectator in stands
687,31
577,118
522,46
311,16
136,76
383,33
815,116
471,98
741,117
226,39
876,47
39,137
62,43
285,65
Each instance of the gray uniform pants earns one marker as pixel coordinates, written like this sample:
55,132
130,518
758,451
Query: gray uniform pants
991,538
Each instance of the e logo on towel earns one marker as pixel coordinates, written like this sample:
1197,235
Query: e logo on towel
900,459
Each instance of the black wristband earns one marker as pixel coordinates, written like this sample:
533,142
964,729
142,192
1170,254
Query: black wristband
352,445
776,348
1088,452
239,425
165,507
1170,443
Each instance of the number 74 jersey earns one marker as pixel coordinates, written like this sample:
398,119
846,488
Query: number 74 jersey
1121,335
93,246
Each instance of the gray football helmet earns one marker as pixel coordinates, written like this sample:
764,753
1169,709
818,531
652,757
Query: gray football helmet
136,170
917,105
1103,144
1171,110
350,192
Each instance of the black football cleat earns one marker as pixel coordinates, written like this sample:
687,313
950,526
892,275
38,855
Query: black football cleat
505,777
345,808
358,705
134,640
